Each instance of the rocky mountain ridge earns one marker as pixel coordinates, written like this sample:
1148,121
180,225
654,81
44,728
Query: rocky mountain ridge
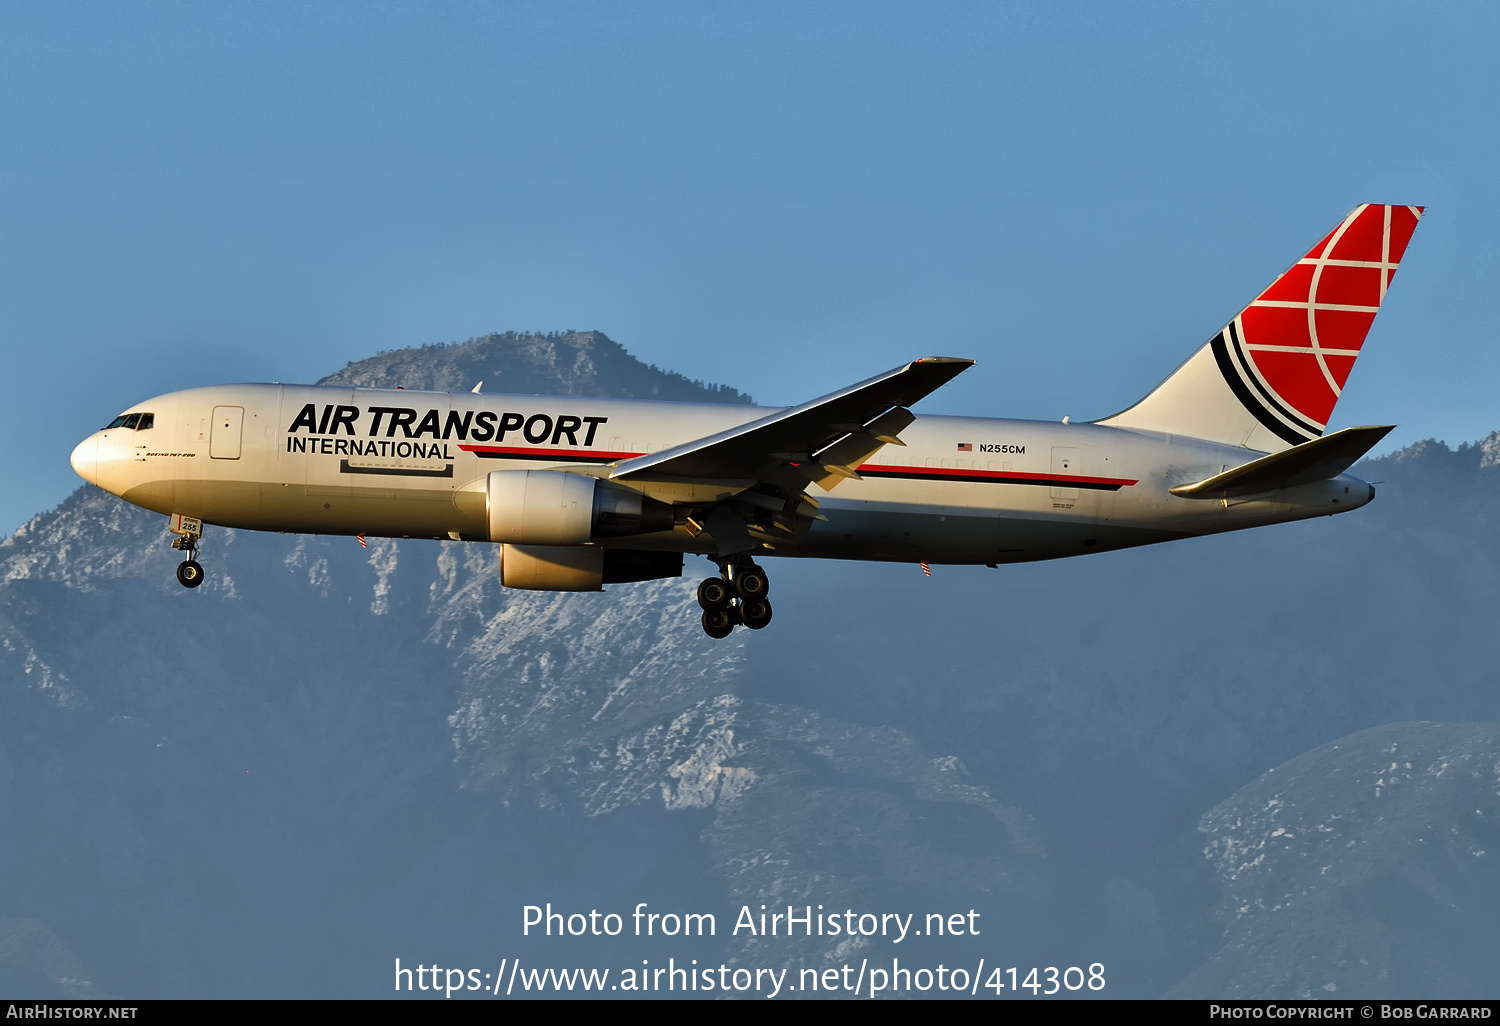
531,363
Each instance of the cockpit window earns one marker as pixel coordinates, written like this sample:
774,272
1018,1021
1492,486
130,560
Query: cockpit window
147,420
134,421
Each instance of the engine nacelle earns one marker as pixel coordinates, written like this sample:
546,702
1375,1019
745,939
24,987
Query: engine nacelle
549,507
581,567
552,567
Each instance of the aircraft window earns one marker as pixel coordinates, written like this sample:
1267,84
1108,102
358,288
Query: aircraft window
117,422
147,420
133,421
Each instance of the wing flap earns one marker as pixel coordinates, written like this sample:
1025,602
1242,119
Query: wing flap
1317,460
837,461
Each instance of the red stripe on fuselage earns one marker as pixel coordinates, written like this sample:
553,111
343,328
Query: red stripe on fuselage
561,455
999,476
874,469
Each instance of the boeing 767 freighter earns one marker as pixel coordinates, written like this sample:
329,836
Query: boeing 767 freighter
580,492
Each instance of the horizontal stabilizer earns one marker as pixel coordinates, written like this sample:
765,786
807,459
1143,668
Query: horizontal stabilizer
1318,460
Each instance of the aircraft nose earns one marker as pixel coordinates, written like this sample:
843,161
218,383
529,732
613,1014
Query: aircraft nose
85,459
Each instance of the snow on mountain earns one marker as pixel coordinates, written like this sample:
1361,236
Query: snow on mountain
1366,867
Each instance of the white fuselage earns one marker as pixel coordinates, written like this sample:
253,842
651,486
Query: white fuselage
405,463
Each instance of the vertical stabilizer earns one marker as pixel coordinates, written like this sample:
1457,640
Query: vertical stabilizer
1269,380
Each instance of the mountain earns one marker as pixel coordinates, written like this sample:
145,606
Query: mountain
1365,867
330,757
528,363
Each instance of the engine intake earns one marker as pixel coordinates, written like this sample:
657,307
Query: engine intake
549,507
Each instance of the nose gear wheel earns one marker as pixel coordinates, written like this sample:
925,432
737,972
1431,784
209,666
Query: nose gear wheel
188,530
189,573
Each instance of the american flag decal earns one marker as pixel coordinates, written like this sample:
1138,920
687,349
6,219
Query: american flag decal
965,446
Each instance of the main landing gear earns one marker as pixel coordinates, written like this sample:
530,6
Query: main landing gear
188,531
737,596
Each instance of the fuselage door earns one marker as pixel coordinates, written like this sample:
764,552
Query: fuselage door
1065,463
224,434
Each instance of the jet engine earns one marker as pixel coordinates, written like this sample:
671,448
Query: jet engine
581,567
552,567
549,507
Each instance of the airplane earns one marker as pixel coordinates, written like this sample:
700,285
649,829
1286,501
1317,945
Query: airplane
582,492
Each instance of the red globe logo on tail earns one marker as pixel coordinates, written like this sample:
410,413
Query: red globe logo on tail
1295,345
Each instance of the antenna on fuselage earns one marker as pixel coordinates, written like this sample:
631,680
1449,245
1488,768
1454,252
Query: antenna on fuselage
475,389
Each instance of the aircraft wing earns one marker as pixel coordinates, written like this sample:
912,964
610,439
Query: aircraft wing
770,462
1318,460
825,439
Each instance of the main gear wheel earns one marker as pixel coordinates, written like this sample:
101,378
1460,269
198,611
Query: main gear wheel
718,623
755,613
736,596
714,593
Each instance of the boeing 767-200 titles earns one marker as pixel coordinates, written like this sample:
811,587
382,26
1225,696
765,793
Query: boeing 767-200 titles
584,492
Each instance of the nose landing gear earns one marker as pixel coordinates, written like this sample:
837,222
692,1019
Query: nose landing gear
189,530
189,573
737,596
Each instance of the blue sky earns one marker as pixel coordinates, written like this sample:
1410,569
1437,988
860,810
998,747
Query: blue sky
783,197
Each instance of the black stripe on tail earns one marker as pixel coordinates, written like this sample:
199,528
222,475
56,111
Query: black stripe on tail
1260,406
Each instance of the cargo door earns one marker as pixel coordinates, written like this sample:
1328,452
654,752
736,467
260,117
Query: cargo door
224,433
1065,463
